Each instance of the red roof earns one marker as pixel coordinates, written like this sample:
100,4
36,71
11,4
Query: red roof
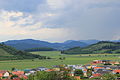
77,77
93,63
3,72
96,75
116,70
23,76
18,72
5,79
98,67
50,70
16,79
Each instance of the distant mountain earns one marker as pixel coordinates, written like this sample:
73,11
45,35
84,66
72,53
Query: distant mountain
71,43
100,47
89,42
39,49
30,43
115,40
27,43
10,53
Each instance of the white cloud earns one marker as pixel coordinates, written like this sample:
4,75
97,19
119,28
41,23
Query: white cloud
98,19
64,19
24,26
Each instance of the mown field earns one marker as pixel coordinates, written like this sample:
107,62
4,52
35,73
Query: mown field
55,55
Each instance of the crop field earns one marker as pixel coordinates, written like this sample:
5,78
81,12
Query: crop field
55,55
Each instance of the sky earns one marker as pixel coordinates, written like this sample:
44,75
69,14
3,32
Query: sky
59,20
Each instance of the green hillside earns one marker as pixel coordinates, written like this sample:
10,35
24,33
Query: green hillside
39,49
100,47
10,53
4,53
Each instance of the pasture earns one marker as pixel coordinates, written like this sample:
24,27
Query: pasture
55,55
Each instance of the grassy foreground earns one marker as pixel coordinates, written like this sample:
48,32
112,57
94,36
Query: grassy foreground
69,59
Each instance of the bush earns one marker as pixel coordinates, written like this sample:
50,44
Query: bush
78,72
42,75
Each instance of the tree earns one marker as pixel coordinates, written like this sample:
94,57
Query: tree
42,75
13,69
105,77
108,77
89,72
78,72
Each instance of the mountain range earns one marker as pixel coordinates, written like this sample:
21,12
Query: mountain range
98,48
31,43
10,53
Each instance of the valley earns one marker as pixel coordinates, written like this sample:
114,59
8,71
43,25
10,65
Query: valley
55,55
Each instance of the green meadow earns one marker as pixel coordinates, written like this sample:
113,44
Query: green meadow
55,55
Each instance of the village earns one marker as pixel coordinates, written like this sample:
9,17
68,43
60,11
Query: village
96,68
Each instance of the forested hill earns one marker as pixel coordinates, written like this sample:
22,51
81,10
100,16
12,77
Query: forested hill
100,47
31,43
40,49
10,53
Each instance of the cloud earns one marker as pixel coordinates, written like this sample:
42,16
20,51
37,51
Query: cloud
88,19
58,20
24,26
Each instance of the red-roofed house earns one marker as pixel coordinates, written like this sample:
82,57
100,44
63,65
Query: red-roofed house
117,71
16,79
97,62
49,70
4,74
77,77
96,68
4,79
96,75
18,72
23,76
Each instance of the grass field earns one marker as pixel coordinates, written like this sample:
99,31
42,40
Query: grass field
69,59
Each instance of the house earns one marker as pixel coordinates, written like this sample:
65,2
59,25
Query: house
27,74
97,61
115,67
16,79
4,79
4,74
27,70
18,72
96,75
106,61
49,70
77,77
23,76
56,69
97,68
70,74
88,67
93,66
41,69
32,71
116,63
103,71
117,71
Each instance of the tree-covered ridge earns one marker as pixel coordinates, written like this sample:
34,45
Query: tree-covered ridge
31,43
39,49
100,47
10,53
